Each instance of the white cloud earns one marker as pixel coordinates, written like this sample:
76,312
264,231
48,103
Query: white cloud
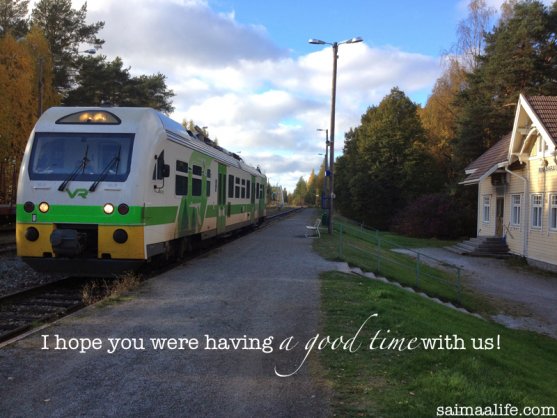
253,96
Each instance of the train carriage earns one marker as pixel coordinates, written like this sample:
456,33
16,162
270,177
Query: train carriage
103,190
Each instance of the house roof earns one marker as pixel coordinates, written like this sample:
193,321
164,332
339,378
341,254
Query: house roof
545,108
535,120
488,161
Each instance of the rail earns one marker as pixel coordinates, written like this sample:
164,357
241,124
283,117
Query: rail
373,252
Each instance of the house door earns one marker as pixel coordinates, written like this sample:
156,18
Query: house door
499,211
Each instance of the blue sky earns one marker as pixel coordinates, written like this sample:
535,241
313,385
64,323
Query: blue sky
244,68
427,27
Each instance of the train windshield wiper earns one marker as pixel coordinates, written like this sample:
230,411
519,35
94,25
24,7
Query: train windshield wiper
72,175
104,173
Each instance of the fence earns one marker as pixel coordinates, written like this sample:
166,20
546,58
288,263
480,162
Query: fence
371,251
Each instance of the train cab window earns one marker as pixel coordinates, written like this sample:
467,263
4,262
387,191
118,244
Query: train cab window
57,155
257,190
230,186
196,181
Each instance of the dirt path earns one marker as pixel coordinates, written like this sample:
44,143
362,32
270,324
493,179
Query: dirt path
526,300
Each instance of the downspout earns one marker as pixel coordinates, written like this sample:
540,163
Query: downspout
526,211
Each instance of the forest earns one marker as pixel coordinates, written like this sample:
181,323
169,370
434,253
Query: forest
43,63
400,168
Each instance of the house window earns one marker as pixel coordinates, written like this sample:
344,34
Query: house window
486,209
515,209
537,210
553,213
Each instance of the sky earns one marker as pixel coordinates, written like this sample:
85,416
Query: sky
245,70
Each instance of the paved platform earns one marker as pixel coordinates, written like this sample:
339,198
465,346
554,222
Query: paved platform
262,285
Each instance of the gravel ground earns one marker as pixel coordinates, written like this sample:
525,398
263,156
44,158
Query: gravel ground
526,299
15,275
261,285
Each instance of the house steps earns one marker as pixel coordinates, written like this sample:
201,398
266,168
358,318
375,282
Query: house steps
482,247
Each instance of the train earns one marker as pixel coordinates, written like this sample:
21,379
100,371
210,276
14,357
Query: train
103,190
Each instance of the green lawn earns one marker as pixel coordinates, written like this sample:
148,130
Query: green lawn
521,371
373,251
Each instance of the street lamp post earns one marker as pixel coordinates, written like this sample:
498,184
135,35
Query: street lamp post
332,129
326,176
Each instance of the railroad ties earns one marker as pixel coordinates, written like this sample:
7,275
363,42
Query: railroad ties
25,310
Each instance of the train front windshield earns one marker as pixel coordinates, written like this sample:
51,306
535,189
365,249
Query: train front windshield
83,156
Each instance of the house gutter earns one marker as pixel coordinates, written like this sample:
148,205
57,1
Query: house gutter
526,211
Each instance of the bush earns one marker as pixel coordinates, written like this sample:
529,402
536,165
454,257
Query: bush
435,216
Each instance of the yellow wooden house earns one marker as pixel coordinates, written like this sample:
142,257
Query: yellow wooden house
517,184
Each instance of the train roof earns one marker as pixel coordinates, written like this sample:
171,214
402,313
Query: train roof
177,133
130,117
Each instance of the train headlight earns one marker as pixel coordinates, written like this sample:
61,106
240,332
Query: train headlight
28,207
32,234
120,236
123,209
108,208
44,207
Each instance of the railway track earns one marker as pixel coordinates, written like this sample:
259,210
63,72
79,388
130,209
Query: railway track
27,309
7,240
24,310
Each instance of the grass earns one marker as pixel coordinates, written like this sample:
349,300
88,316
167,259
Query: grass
413,383
110,291
373,251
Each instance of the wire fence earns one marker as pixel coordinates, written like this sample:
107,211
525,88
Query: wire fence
372,252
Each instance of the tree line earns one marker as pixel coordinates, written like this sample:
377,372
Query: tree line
401,166
46,60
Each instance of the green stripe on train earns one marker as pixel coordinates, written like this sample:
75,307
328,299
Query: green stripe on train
137,215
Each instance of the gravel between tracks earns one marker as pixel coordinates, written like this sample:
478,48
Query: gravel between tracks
15,275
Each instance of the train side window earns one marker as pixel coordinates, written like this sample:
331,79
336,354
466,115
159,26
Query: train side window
196,182
230,186
181,166
248,190
209,182
237,188
196,187
243,188
257,191
181,185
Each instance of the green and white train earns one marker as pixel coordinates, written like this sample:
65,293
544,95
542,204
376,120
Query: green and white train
103,190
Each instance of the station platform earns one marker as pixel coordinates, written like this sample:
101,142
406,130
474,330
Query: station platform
260,286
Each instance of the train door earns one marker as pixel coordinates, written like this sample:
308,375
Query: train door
221,200
253,209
